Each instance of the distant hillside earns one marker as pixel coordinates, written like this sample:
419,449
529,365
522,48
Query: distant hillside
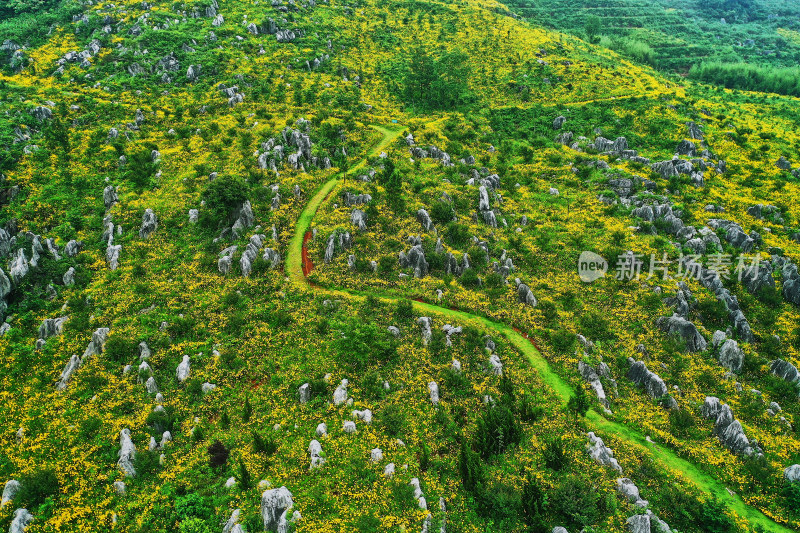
676,35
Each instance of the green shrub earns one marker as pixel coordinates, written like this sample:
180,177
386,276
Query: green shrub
120,349
442,212
224,197
265,446
563,341
392,420
554,456
35,488
498,429
193,505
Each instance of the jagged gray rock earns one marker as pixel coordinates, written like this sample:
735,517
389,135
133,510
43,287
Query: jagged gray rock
785,370
425,220
20,522
433,392
601,453
184,369
425,323
630,491
639,523
127,453
275,507
731,356
149,223
525,295
727,428
792,474
10,490
110,196
644,377
359,219
52,327
683,329
415,259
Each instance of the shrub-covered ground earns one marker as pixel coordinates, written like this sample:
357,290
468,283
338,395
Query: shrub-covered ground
180,106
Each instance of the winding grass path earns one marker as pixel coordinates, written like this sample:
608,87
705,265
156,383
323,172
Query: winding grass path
597,422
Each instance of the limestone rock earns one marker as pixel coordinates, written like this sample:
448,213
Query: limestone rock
275,506
149,223
127,453
315,453
184,368
683,329
433,390
19,523
9,491
601,453
340,394
110,196
731,356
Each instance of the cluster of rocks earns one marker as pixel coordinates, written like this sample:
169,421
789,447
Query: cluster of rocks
638,523
783,164
19,266
273,151
592,376
249,256
495,364
711,281
485,210
15,53
50,327
231,93
504,268
21,518
350,199
432,152
524,294
791,278
277,512
761,212
728,429
82,58
653,385
735,235
415,260
112,250
95,347
338,241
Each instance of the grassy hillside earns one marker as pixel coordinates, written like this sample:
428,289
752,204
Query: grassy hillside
193,177
678,35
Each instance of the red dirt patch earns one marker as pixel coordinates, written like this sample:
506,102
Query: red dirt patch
529,339
308,266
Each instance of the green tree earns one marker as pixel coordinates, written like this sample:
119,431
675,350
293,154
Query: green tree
579,402
534,505
223,197
392,181
470,468
592,26
433,83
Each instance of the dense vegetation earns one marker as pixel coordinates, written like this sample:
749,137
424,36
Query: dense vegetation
679,35
161,162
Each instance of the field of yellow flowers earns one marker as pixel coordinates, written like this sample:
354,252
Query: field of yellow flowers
496,450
